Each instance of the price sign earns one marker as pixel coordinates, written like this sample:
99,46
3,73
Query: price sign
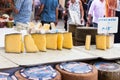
108,25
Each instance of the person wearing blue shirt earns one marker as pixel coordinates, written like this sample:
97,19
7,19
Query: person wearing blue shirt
22,10
48,11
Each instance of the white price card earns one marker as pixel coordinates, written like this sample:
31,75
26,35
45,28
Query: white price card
108,25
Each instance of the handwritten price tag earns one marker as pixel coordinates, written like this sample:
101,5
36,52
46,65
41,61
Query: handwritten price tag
108,25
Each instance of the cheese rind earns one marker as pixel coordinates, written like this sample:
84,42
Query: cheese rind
51,41
67,42
40,41
29,44
101,42
59,41
13,43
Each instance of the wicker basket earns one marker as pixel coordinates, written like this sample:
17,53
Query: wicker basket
72,28
81,32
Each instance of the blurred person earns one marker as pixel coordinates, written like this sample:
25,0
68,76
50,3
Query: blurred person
36,6
48,11
97,10
85,10
76,12
6,6
117,35
22,10
111,5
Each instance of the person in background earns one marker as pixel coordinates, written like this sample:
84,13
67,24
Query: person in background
48,11
97,10
36,6
75,6
22,10
6,6
111,5
117,35
85,10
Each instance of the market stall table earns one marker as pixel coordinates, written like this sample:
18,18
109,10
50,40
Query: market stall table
108,54
5,63
51,56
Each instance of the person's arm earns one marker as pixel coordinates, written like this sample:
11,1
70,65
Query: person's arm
90,12
56,16
17,6
82,11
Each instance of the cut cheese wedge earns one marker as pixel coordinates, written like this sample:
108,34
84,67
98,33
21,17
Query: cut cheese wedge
22,47
101,42
13,43
29,44
51,41
40,41
110,41
87,42
59,41
67,42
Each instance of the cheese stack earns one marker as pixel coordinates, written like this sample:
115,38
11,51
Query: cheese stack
108,70
38,73
101,42
77,71
59,41
110,41
13,43
67,40
51,41
104,41
29,44
40,41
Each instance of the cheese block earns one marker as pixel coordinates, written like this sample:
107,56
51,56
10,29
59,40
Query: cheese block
40,41
51,41
110,41
46,27
108,70
38,73
22,47
67,42
29,44
59,41
77,71
101,42
87,42
13,43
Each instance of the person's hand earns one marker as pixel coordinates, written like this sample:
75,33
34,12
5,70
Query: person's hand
82,20
36,18
56,22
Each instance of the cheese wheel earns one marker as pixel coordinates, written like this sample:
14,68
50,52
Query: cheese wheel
5,76
13,43
77,71
108,70
38,73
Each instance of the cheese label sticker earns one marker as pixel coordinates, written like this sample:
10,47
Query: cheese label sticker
107,66
76,67
39,73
